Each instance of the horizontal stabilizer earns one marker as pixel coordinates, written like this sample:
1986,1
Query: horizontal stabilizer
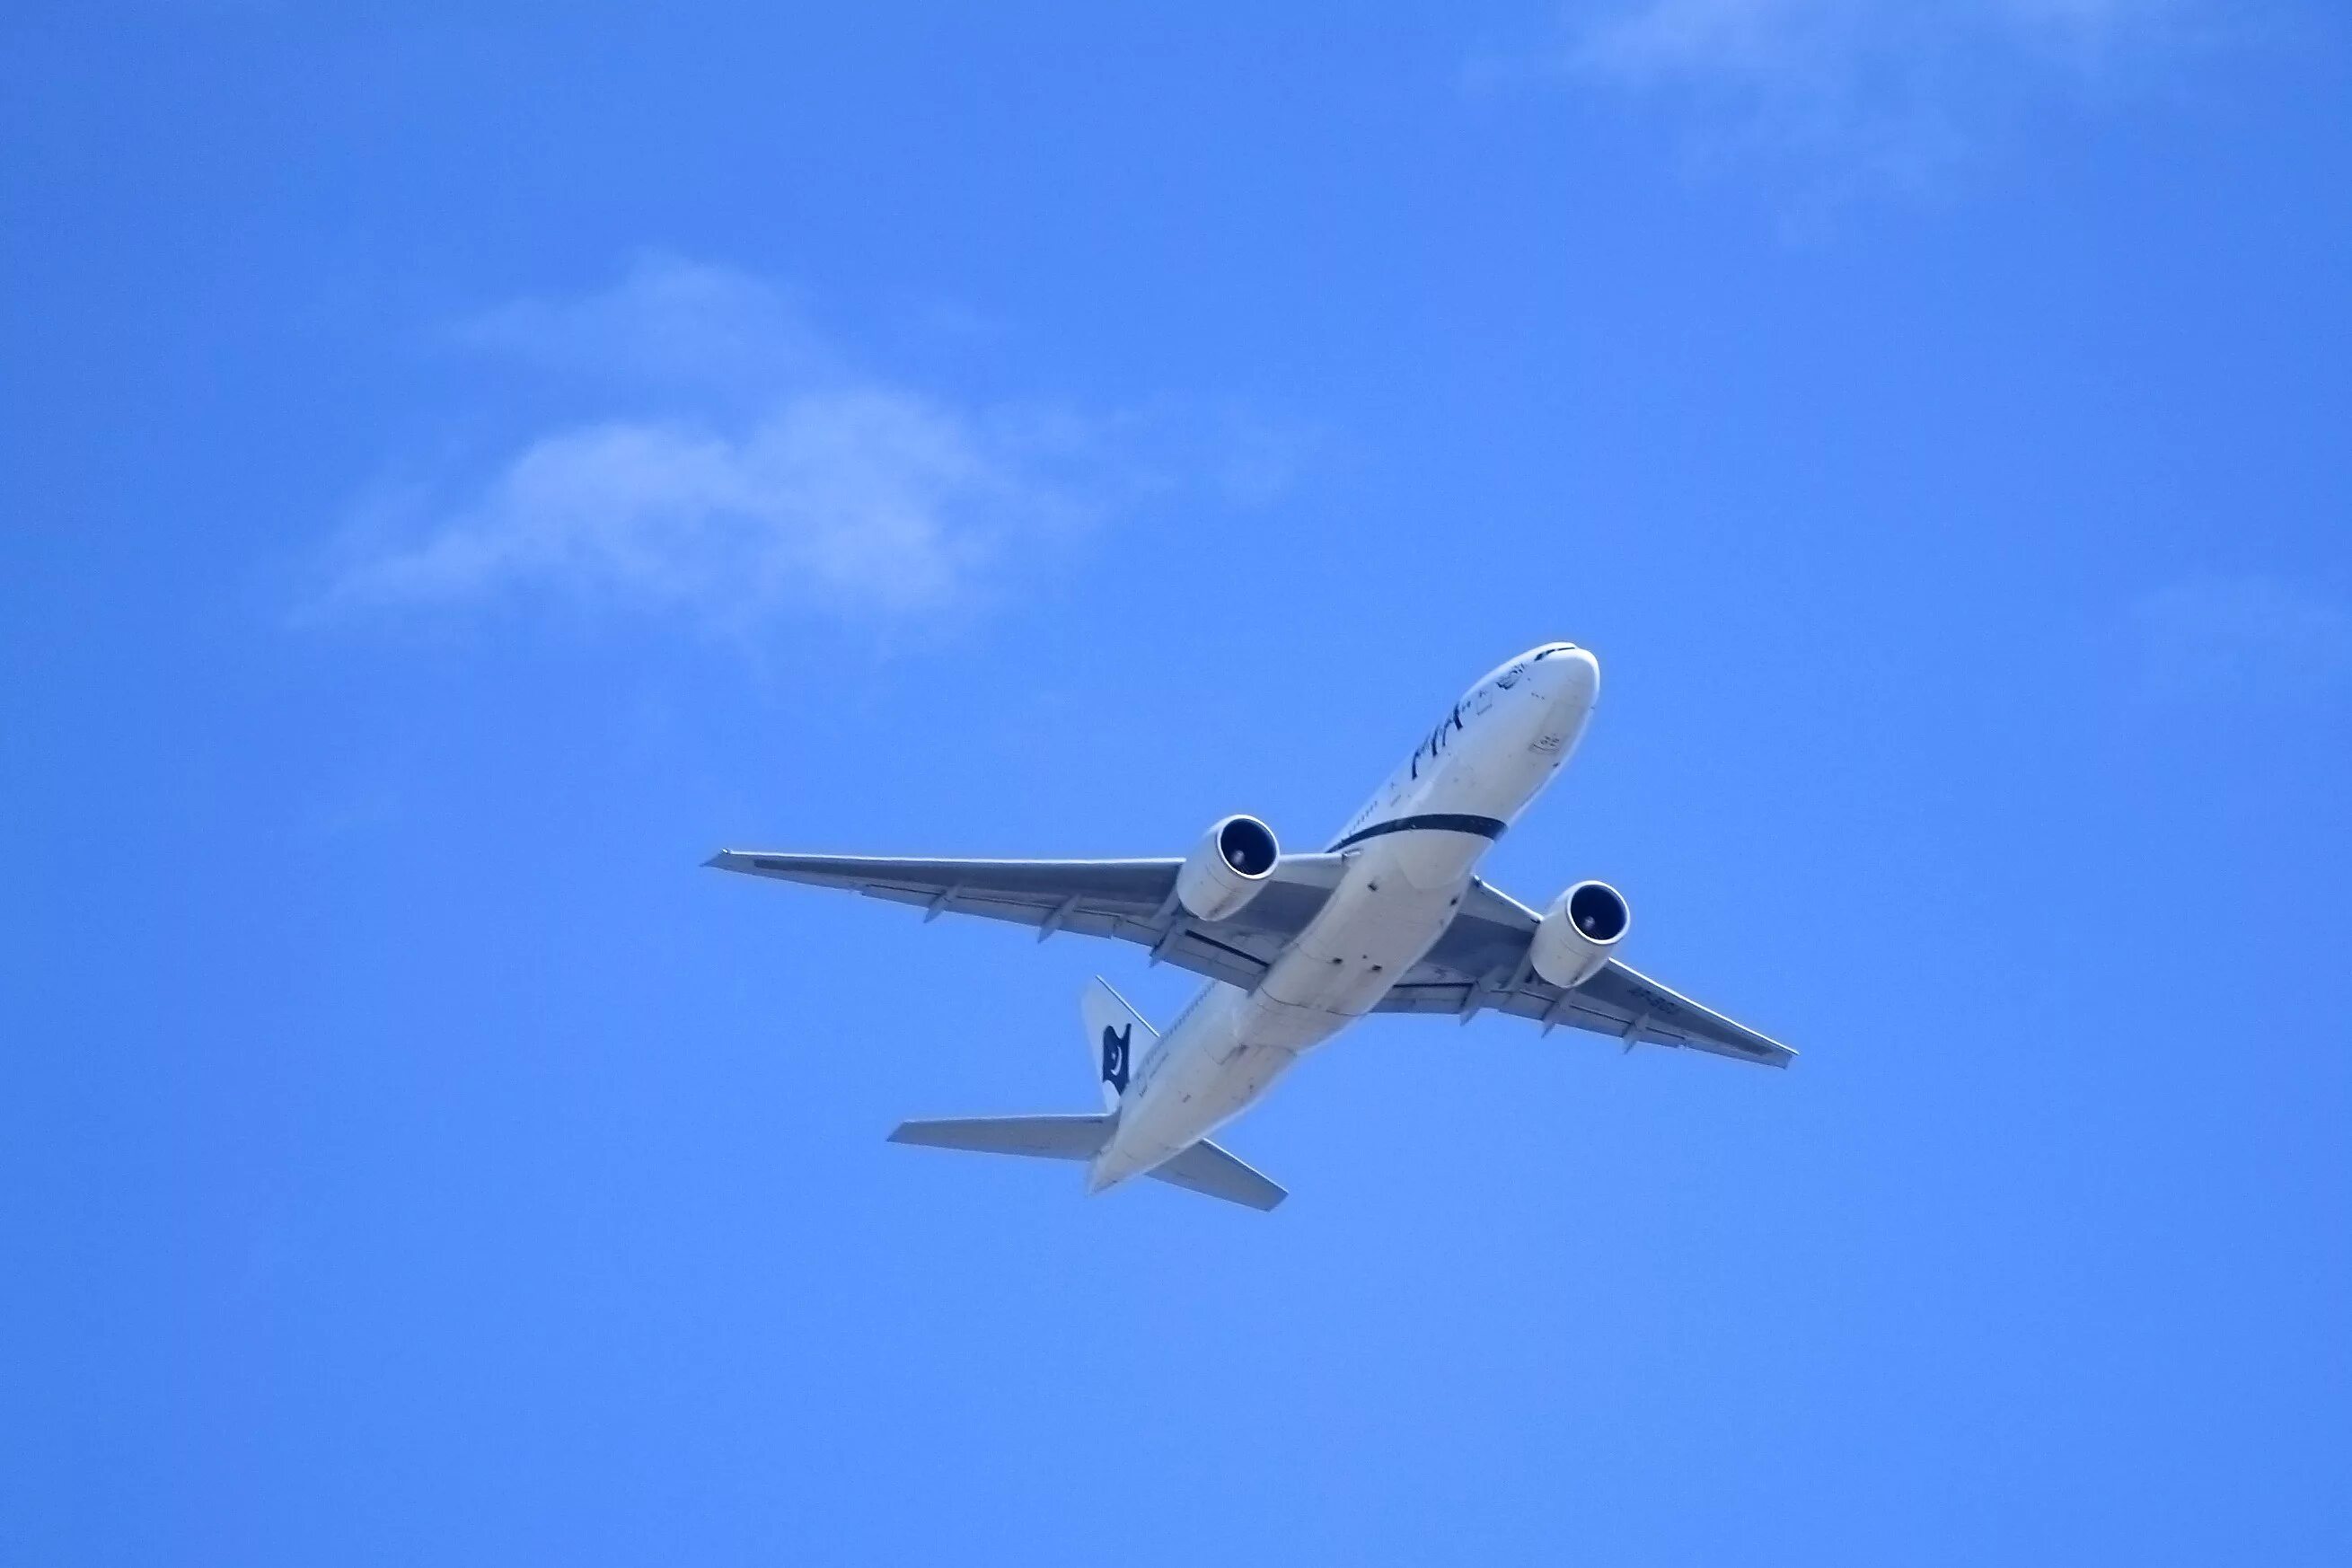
1043,1137
1205,1168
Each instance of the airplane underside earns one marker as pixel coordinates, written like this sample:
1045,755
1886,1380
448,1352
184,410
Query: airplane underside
1391,917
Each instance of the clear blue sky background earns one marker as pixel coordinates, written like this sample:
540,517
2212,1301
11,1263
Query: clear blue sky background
462,465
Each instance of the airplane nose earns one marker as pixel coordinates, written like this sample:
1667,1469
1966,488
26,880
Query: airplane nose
1571,675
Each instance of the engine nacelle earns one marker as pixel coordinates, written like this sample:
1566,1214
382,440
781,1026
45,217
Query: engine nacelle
1228,869
1579,933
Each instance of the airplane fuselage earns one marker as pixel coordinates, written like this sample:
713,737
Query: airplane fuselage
1409,855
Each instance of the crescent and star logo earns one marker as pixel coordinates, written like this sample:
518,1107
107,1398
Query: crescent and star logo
1114,1056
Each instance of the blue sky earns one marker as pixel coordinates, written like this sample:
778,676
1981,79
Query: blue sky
460,466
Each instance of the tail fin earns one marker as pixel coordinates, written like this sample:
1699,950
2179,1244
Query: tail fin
1117,1037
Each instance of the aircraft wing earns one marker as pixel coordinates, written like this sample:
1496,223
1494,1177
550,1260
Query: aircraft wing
1134,901
1481,963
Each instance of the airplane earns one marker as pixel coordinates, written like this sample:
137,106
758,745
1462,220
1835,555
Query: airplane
1391,917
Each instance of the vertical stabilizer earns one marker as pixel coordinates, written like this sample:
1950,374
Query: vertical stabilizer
1117,1036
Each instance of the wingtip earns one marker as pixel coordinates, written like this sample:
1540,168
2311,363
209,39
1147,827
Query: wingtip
722,861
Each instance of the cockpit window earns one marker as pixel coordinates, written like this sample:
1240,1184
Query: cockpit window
1555,648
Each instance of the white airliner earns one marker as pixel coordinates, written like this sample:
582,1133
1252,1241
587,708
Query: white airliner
1390,919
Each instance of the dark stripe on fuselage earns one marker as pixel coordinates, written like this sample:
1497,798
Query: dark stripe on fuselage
1444,822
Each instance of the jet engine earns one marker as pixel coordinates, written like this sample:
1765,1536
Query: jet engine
1579,933
1227,870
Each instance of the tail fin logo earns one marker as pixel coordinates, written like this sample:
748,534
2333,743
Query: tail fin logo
1115,1043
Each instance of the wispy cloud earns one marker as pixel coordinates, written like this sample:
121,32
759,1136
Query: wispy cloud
669,325
1844,95
776,475
2239,638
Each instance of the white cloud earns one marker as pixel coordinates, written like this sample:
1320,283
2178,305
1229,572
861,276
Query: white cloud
777,479
1861,93
864,500
670,324
2242,638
